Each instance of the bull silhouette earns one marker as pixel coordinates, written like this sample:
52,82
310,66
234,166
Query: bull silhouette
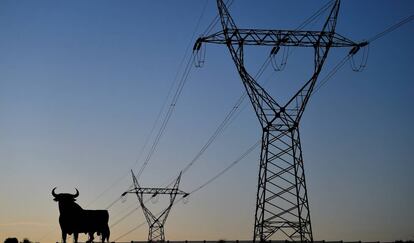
74,220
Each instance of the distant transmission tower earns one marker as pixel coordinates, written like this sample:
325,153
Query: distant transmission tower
282,208
156,222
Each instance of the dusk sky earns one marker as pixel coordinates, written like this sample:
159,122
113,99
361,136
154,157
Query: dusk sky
82,83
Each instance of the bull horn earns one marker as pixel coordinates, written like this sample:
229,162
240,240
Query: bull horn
54,193
76,194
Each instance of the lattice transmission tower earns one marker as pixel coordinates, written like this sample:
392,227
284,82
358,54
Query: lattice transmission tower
282,208
156,222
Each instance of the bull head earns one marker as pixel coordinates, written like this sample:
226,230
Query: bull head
64,196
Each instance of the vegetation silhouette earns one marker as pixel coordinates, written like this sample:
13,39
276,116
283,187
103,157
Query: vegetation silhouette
74,219
11,240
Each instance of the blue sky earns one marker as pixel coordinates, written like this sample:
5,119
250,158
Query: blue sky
81,84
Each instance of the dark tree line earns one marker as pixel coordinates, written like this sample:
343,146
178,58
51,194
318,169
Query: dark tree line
14,240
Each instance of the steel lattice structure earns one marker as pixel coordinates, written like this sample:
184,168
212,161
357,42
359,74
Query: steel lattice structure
156,222
282,208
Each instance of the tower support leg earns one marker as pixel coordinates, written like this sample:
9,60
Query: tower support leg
282,208
156,233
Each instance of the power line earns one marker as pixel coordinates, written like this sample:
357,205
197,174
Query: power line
331,73
215,20
162,107
175,98
227,120
167,117
372,39
176,95
170,111
130,231
391,28
122,212
247,152
125,216
160,132
315,15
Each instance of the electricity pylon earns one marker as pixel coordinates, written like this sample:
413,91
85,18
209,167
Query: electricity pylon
282,208
156,222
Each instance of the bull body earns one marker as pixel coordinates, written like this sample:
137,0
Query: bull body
74,219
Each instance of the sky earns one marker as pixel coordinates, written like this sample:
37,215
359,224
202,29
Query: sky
82,83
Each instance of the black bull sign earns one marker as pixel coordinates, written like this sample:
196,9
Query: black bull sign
74,220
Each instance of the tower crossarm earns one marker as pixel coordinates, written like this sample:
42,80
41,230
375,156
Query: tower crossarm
262,37
156,191
269,112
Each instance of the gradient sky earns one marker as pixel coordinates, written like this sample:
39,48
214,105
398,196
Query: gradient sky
81,84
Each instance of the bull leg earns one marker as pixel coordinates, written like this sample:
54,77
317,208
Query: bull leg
91,238
105,234
63,237
75,237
